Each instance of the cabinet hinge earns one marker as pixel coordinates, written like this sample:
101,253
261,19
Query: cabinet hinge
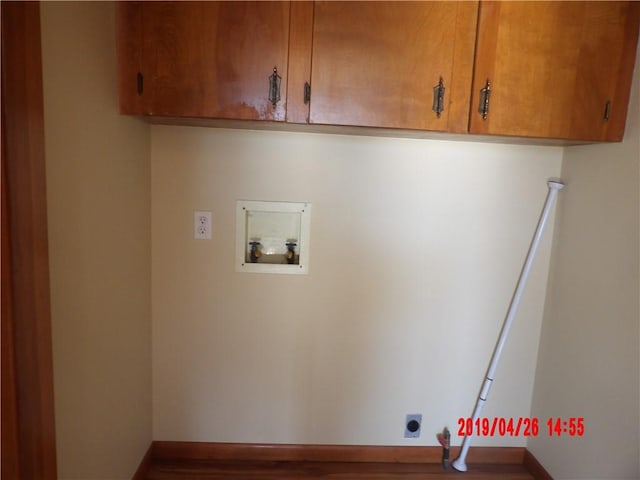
438,98
607,110
140,84
274,87
485,94
307,93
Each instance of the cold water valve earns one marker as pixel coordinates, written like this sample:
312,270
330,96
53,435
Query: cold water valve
291,252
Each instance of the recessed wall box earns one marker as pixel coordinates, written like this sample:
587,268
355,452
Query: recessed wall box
272,237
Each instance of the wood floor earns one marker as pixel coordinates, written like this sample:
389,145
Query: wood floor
289,470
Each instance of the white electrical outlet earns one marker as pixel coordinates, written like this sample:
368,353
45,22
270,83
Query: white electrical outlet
202,225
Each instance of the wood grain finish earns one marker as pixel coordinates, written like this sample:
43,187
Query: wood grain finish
533,466
300,43
614,129
174,470
459,98
9,440
28,401
375,63
129,48
145,465
185,460
327,453
553,66
214,59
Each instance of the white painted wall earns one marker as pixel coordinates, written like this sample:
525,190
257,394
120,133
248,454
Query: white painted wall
589,359
98,198
416,246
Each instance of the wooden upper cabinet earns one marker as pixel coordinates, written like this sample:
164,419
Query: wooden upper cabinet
204,59
556,69
376,63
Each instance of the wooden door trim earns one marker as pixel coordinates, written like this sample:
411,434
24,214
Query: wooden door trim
28,401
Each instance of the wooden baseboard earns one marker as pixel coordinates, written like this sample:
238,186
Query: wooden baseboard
534,467
145,465
324,453
165,450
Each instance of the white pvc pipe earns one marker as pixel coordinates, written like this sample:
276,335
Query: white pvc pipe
554,185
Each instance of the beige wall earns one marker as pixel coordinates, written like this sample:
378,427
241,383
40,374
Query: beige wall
589,362
98,201
416,246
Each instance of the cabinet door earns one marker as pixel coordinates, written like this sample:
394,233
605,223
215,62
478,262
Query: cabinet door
129,46
377,63
556,69
214,59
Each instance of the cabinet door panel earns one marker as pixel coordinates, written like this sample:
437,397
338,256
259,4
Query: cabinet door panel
376,63
299,74
553,67
214,59
129,45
